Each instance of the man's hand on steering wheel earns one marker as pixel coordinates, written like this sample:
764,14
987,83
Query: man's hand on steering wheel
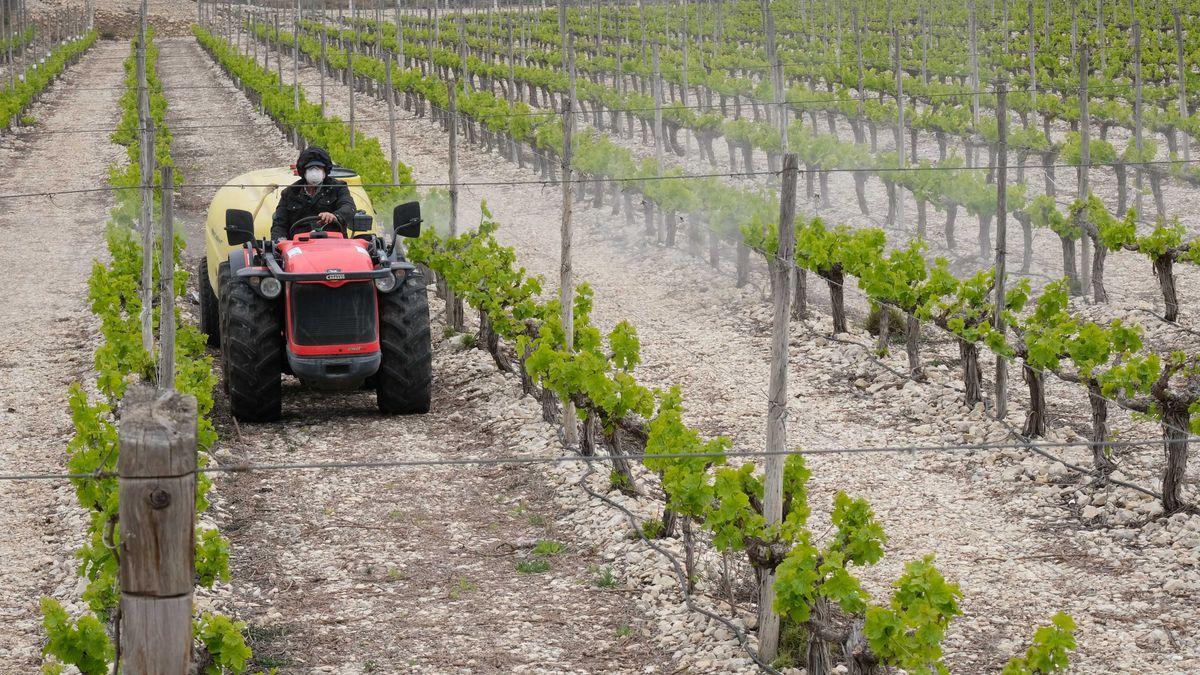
326,218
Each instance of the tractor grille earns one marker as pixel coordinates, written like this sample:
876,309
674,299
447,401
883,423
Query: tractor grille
322,315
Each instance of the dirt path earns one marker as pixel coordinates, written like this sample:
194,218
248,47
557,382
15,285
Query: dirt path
699,332
48,336
402,569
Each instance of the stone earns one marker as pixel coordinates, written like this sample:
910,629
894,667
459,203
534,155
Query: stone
1151,508
1176,585
1090,512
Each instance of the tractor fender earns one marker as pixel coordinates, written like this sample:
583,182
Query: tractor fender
238,258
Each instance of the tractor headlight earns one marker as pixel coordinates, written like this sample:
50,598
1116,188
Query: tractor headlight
386,284
270,287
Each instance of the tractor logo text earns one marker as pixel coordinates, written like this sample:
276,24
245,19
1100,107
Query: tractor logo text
334,275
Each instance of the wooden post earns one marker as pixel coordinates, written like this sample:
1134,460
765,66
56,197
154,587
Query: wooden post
157,492
296,65
781,276
1032,59
860,113
324,66
1137,113
278,53
403,60
166,279
778,115
1001,244
1182,81
898,192
454,313
350,78
566,283
462,55
147,177
391,108
1085,160
656,84
974,66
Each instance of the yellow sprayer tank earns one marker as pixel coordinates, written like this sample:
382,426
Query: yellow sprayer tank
258,192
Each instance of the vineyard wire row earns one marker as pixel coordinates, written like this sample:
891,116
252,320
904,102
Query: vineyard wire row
518,459
534,113
628,179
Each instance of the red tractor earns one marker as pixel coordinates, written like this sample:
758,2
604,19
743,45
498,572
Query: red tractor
340,308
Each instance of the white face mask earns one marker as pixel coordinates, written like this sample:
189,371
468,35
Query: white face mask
314,175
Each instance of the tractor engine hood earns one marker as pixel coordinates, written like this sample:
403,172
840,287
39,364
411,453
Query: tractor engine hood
329,257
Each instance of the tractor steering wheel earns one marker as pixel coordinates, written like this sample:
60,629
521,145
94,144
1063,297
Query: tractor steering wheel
313,223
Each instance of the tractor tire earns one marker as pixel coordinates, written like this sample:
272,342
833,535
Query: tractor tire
402,385
252,352
210,308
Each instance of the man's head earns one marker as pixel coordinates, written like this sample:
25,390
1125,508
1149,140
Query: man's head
314,164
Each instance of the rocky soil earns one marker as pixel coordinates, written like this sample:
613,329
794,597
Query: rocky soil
996,520
440,568
49,336
394,569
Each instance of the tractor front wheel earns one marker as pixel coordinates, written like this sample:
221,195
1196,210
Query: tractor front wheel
252,349
406,369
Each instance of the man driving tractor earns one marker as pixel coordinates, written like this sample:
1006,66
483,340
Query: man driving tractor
315,197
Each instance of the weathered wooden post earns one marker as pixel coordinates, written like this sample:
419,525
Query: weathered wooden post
1085,160
322,69
1182,80
166,279
1001,235
566,281
454,312
157,492
351,79
781,281
391,108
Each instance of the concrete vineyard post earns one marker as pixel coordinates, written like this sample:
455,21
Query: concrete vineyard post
157,491
781,276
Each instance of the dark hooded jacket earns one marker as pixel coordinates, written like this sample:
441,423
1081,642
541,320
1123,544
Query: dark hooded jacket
295,203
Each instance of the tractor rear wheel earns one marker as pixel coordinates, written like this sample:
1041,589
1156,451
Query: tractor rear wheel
252,351
406,369
210,309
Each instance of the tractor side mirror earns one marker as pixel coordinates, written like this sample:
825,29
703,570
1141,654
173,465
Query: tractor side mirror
361,222
406,218
239,226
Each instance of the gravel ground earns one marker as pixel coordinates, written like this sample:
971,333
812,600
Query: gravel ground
49,336
393,570
1134,598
